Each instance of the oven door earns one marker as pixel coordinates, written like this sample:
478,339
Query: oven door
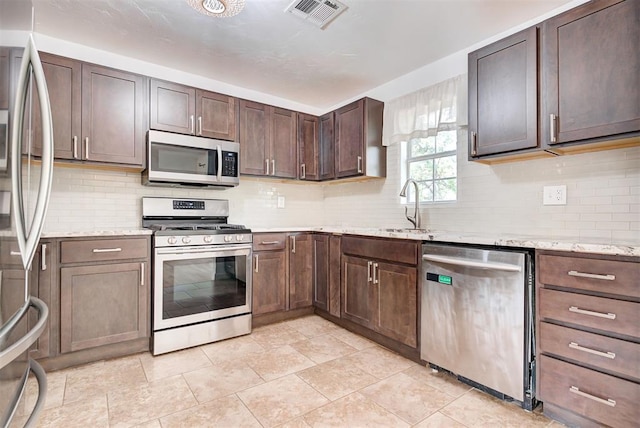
198,284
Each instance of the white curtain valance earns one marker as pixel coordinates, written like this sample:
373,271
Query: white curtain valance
424,113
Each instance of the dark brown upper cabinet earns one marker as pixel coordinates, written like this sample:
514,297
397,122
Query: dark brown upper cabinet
358,140
268,140
591,74
114,115
586,67
99,114
326,147
186,110
503,96
308,147
5,80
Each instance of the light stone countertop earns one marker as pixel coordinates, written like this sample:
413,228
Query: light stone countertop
97,233
539,243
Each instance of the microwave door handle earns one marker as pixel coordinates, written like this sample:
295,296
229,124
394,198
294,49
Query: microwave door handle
219,149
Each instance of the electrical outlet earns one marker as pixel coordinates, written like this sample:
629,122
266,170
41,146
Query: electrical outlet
554,195
280,201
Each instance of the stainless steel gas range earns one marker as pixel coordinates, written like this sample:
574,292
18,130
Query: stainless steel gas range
201,272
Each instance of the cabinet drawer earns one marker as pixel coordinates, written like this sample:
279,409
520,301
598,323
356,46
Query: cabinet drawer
603,352
394,250
587,392
605,276
269,241
607,315
10,253
96,250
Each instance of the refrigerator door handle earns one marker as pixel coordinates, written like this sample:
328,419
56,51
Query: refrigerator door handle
41,378
23,344
28,239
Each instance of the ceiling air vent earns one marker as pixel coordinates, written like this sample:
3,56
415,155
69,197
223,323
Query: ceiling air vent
317,12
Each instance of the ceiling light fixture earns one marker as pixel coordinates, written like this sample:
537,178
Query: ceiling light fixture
221,8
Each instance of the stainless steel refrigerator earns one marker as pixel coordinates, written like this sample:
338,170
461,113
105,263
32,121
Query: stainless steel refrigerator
25,186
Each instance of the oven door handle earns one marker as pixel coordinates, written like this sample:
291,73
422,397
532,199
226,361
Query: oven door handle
200,250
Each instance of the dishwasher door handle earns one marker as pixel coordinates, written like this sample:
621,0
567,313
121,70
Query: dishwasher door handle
472,263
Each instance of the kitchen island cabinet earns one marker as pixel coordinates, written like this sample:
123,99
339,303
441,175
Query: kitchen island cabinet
186,110
588,327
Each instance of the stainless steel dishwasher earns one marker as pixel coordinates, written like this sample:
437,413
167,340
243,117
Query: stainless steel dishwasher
477,317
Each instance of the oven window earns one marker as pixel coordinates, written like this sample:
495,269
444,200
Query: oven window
203,285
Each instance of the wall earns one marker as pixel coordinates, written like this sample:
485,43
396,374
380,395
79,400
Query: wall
90,199
603,199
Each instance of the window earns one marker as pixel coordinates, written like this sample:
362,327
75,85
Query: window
428,123
432,162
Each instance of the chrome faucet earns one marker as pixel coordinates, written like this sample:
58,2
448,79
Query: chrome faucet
415,220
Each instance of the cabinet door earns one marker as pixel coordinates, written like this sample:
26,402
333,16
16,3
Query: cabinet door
349,140
321,272
503,93
113,115
591,64
335,275
301,270
5,79
269,282
308,147
64,77
326,147
397,302
102,304
216,115
284,143
357,291
173,107
255,128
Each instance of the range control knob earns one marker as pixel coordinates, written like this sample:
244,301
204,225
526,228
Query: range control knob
208,239
172,240
239,237
228,238
186,240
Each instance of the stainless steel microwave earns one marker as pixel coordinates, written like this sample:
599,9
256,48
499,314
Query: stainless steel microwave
184,160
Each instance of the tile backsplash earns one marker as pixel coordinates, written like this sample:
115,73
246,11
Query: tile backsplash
603,199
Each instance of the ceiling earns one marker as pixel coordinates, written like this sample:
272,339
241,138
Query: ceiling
270,51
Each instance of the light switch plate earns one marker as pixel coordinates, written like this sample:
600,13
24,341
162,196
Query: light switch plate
554,195
280,201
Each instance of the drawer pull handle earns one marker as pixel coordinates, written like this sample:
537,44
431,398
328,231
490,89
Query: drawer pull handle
15,253
107,250
591,275
574,345
577,310
269,242
369,273
608,401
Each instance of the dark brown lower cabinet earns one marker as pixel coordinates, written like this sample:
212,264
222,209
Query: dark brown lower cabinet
321,272
301,271
396,303
379,286
102,305
357,290
269,282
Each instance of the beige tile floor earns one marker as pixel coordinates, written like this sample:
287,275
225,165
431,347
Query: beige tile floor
305,372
